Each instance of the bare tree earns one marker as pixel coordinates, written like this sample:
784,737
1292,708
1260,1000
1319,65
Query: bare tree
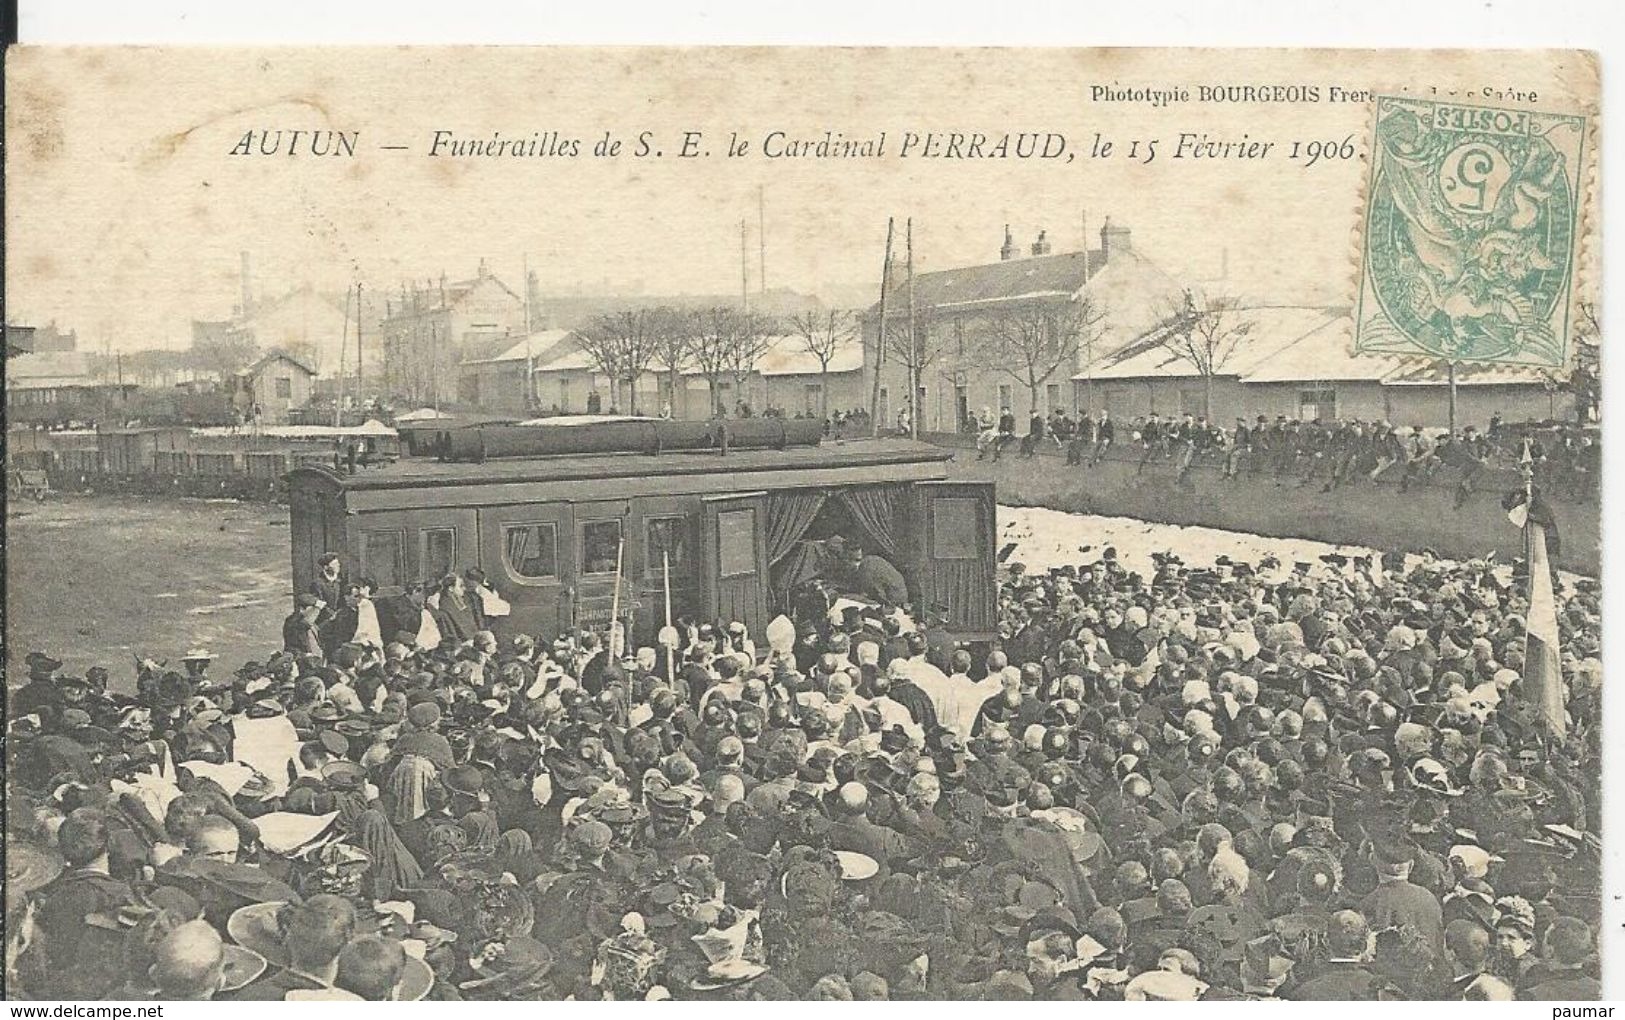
1030,342
915,353
752,337
623,344
721,342
823,335
1203,330
669,340
225,354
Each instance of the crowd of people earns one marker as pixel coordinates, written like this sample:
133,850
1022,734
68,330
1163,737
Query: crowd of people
1226,781
1566,459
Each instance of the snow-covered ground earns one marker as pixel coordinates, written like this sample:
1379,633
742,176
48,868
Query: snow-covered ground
1051,538
1045,539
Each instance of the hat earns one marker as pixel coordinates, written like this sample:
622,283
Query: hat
265,708
335,743
343,775
424,714
305,600
352,727
466,780
590,836
40,664
198,655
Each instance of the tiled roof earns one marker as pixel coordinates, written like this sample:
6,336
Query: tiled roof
973,286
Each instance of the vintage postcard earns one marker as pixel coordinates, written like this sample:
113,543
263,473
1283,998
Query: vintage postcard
836,524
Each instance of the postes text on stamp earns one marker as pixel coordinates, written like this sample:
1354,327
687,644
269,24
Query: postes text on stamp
1470,233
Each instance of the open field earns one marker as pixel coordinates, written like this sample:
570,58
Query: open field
96,579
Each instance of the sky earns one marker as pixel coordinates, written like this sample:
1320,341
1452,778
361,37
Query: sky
126,211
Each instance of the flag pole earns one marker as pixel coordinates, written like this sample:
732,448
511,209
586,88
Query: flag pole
615,601
671,652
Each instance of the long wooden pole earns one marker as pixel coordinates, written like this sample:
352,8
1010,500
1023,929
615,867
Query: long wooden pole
338,398
915,355
358,317
615,601
880,335
671,651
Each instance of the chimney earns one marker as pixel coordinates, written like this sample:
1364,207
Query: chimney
1009,251
1113,239
247,288
1041,246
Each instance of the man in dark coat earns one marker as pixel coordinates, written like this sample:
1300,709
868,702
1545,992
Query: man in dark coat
299,633
878,579
41,691
328,586
80,943
1560,975
1346,976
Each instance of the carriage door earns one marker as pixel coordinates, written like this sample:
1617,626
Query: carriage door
955,523
735,548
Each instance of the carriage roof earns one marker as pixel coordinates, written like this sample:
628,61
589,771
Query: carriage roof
859,461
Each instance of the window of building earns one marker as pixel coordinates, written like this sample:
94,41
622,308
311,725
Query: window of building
382,556
437,553
1192,401
1052,397
884,407
667,537
531,550
284,388
564,395
736,543
1004,396
1317,402
600,544
813,395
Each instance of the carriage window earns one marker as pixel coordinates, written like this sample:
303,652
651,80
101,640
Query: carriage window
954,528
667,535
437,553
736,543
531,550
600,542
382,553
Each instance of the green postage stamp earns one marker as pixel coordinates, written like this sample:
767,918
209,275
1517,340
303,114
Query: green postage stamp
1471,227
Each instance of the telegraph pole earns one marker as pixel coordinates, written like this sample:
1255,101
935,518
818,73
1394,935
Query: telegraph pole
761,238
744,270
880,334
915,355
358,317
530,359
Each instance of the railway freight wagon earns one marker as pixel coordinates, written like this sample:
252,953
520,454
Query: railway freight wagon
242,463
549,512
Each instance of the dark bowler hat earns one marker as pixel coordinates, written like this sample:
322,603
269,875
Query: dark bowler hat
41,665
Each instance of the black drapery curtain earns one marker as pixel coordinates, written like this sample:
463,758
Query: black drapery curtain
789,515
876,508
